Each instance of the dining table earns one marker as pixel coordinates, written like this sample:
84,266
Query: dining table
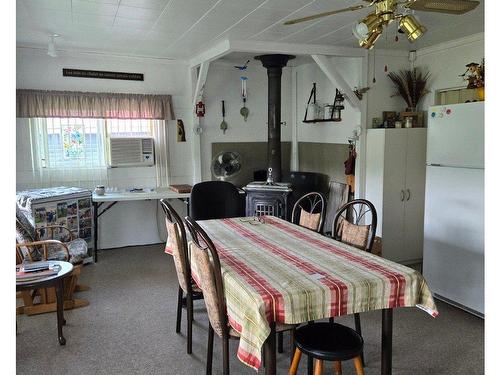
278,272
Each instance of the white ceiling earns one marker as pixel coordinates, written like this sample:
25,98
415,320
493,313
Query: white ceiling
182,28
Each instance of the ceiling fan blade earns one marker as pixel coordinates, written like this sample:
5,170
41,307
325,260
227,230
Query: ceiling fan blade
319,15
443,6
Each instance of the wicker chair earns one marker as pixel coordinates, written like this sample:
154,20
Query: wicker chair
309,211
35,244
205,257
177,247
43,300
347,228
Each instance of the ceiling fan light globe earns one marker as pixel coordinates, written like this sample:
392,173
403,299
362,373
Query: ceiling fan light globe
360,30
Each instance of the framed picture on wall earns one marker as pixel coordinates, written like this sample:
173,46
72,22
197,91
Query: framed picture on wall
389,118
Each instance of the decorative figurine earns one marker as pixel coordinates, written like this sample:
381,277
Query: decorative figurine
474,75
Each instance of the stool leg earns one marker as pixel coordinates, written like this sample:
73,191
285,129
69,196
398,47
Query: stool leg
310,365
357,323
318,369
280,342
295,362
292,345
358,363
337,365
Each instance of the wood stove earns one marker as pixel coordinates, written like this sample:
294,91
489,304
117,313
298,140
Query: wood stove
271,197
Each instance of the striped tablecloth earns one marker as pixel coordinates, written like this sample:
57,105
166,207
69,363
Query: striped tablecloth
279,272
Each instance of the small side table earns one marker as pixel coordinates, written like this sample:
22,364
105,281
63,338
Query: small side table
56,281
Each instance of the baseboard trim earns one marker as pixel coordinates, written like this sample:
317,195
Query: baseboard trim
459,305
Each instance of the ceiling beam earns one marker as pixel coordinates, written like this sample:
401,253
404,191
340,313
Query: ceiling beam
336,78
212,53
293,48
226,46
200,80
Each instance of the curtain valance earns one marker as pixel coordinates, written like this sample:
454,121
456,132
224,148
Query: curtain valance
41,103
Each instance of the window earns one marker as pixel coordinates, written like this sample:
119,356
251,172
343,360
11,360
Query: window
74,150
70,143
129,128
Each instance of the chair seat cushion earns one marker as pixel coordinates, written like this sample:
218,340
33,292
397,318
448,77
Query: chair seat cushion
355,235
328,341
309,220
77,251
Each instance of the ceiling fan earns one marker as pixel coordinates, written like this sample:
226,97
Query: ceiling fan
369,29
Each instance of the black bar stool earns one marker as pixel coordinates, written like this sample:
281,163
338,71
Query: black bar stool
326,341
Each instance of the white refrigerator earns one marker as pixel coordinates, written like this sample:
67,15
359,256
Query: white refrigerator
453,260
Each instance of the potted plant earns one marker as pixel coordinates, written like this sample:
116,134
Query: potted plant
410,85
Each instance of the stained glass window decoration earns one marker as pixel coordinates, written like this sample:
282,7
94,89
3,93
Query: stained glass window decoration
73,138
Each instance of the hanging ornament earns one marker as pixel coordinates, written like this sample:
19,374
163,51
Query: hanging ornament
200,108
244,110
243,87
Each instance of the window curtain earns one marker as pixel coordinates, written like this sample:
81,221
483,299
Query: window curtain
40,103
43,104
91,173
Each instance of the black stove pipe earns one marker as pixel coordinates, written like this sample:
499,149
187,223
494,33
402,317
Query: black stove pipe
274,65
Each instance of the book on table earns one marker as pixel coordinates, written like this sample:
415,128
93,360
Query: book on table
181,188
36,270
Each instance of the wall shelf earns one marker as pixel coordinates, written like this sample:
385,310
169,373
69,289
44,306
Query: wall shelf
320,120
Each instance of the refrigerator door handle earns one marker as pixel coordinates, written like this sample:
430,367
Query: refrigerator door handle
402,195
408,191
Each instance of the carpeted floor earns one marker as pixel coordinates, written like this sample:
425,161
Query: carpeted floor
129,328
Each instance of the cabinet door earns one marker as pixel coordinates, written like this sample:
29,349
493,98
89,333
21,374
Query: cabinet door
394,182
414,195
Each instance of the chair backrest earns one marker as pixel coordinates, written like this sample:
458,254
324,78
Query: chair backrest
338,195
206,260
355,224
309,211
215,200
177,245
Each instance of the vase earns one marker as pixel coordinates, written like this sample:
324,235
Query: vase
480,93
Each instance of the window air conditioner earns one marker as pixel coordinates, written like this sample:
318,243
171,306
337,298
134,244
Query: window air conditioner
128,152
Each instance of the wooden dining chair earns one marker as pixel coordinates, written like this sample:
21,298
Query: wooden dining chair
178,248
325,341
204,255
309,211
356,224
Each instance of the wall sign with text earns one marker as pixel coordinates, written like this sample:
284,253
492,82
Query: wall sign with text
102,74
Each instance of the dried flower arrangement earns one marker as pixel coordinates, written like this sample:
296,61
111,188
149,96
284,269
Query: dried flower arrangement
410,85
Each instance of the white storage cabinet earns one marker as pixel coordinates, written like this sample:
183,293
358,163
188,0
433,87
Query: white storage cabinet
395,184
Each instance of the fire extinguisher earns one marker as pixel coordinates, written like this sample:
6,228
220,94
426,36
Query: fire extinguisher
200,109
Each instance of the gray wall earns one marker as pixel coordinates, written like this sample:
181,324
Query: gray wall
254,157
326,158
